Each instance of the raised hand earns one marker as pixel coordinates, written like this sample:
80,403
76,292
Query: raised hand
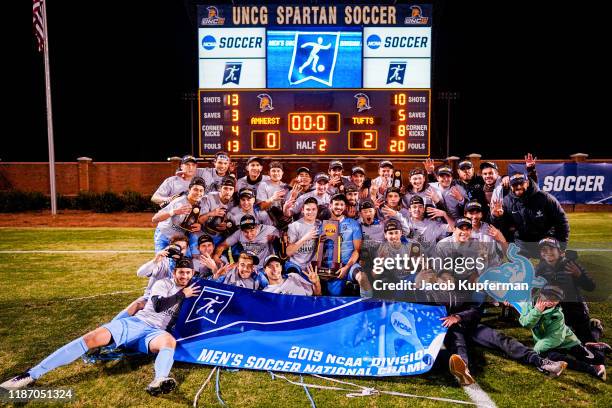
429,165
497,208
530,161
454,191
191,290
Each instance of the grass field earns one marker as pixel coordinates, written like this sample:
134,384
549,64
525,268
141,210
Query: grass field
38,313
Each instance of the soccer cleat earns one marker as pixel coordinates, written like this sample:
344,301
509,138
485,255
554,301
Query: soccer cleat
18,382
552,368
162,385
600,372
599,346
459,369
596,324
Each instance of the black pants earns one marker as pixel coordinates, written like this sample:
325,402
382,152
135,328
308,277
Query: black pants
578,319
457,340
578,358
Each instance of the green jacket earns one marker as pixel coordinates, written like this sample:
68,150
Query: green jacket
548,329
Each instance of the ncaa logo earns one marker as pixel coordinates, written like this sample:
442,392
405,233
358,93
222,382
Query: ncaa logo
209,305
209,42
374,41
401,324
314,57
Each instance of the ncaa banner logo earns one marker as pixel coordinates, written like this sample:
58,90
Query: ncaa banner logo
314,57
397,72
209,305
232,73
374,41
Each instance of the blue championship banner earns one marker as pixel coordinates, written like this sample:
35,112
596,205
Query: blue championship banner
574,183
239,328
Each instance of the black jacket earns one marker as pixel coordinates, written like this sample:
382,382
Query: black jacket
556,275
533,216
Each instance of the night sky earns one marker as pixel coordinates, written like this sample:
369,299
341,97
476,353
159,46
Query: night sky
119,70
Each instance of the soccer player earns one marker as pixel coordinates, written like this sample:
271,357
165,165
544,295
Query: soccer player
170,218
427,231
302,236
452,195
214,175
242,274
271,193
337,182
350,233
146,332
352,200
215,208
246,206
176,185
392,208
253,237
532,215
418,185
254,167
383,181
321,181
294,283
482,231
204,266
358,177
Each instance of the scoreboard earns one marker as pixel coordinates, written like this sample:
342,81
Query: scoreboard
315,81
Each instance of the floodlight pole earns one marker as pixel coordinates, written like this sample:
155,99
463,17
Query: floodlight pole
448,96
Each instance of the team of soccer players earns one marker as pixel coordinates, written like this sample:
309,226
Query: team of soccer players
264,233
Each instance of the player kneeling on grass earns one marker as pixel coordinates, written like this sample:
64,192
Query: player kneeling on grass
294,283
554,339
146,332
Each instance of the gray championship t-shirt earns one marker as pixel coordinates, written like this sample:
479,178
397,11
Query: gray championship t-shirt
243,182
266,190
299,202
237,213
305,254
260,245
155,271
170,226
210,176
293,285
161,320
427,233
172,185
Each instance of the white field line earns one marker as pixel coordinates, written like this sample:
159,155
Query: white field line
87,251
479,397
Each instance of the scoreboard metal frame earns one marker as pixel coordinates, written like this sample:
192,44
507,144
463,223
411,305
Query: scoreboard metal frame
358,117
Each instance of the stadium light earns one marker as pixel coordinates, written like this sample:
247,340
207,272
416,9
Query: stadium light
448,96
190,97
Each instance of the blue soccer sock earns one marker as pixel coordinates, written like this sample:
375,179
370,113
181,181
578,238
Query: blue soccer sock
62,356
122,314
163,362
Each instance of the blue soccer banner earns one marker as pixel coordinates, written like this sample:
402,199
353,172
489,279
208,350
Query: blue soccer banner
239,328
573,183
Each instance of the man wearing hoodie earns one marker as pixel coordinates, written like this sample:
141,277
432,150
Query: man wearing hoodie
531,215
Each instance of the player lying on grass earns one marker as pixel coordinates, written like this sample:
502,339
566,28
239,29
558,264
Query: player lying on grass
464,328
160,267
554,339
293,283
146,332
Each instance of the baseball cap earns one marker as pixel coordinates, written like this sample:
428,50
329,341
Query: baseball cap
351,188
321,176
247,222
552,292
466,164
385,163
366,203
338,197
417,170
392,224
204,238
246,192
188,158
358,169
461,222
417,199
393,190
276,165
487,164
271,258
311,200
550,242
197,181
228,181
251,255
444,170
302,169
334,164
222,156
517,178
254,158
184,263
473,206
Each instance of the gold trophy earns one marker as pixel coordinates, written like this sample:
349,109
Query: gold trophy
328,251
191,218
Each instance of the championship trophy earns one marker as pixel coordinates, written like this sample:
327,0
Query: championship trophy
397,179
191,218
328,251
